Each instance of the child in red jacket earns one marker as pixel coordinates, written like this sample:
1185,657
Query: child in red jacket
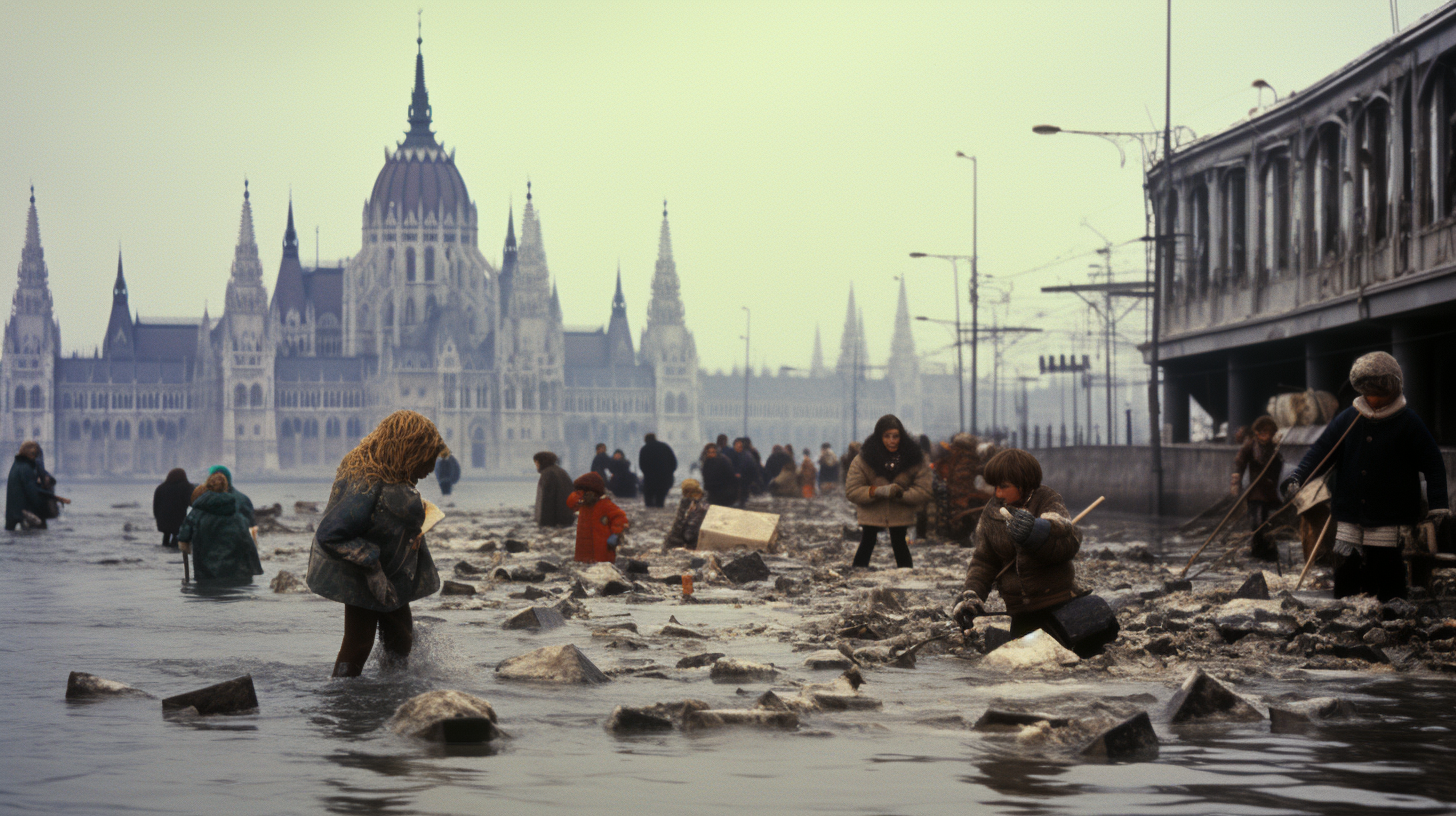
599,521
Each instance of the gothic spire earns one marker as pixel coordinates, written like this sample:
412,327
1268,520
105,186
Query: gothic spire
419,110
555,303
619,303
666,306
902,345
118,289
816,362
32,292
246,268
531,289
511,229
619,333
119,332
849,340
290,235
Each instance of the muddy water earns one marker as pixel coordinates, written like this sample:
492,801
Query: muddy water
317,744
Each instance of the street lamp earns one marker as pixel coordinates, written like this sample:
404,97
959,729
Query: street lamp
960,360
747,332
975,278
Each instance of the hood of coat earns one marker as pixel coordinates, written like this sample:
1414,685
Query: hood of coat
217,504
874,453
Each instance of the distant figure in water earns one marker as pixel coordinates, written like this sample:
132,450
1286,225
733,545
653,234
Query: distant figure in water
170,502
369,551
245,504
447,473
26,500
217,536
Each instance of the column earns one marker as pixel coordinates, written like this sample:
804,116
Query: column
1322,367
1240,388
1175,407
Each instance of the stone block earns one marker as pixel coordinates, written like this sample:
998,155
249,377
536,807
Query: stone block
731,670
1255,587
514,545
757,717
699,660
535,617
445,716
1038,651
552,664
456,588
231,697
828,659
83,686
1131,739
627,719
746,569
997,719
1204,698
726,528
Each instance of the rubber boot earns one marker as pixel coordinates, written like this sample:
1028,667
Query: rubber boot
342,669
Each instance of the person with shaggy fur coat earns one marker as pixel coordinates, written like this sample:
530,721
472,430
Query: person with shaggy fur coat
1378,468
552,488
1028,557
889,481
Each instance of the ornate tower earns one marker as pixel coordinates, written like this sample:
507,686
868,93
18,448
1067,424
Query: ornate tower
508,261
668,347
32,341
619,335
120,340
249,431
291,320
531,354
816,362
853,354
904,373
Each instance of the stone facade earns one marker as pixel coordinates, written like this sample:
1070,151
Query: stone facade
419,318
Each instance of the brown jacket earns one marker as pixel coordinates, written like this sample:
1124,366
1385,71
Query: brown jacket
1042,578
878,511
1252,457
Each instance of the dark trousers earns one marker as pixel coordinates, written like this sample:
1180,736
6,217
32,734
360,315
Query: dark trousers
1261,547
396,634
169,540
654,496
1379,572
869,535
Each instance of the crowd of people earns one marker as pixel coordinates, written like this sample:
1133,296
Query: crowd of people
369,550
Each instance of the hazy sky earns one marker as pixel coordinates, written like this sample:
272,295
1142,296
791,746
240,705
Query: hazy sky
802,146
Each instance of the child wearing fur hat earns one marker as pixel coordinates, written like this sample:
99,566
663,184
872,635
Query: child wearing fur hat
689,519
1254,456
599,521
1378,466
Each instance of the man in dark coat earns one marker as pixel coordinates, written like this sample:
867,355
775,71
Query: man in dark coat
447,473
25,499
719,480
657,462
169,504
602,462
551,491
1384,450
776,461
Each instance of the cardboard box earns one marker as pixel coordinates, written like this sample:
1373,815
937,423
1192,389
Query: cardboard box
727,528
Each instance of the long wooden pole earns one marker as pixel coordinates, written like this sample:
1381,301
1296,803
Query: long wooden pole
1314,552
1080,516
1232,510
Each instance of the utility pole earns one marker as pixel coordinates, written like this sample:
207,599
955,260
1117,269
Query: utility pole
747,369
1050,365
1108,290
997,333
1025,411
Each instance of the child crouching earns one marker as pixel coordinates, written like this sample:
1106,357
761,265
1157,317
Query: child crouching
1027,557
599,521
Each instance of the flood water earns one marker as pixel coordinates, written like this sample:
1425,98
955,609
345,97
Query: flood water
318,745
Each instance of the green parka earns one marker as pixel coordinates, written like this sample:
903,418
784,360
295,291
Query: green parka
222,547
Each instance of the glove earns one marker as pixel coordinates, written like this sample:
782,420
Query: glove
1288,488
185,546
381,588
1020,524
613,540
968,607
1234,485
889,491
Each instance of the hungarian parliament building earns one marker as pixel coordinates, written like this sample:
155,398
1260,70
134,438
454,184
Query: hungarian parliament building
419,318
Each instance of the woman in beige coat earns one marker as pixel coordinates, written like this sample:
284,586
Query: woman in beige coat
890,481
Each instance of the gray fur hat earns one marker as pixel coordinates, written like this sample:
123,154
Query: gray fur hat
1376,373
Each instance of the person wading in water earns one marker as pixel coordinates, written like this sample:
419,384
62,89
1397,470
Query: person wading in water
369,552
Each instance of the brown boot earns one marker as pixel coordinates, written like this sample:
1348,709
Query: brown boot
342,669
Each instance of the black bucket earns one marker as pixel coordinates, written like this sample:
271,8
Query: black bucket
1084,625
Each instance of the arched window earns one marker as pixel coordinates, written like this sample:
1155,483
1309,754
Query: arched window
256,396
240,396
1322,194
20,397
1275,216
1198,247
1372,172
388,313
389,265
310,428
123,429
356,428
331,427
477,447
1235,223
429,263
409,263
37,398
74,431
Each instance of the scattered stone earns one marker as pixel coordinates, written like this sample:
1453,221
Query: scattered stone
530,593
828,659
673,580
1131,739
83,686
535,617
758,717
1254,588
614,588
526,575
1398,609
547,566
1181,585
286,582
552,664
466,568
674,630
787,585
699,660
770,701
577,591
747,568
1037,650
305,507
862,631
999,720
626,720
268,511
486,547
445,716
231,697
696,563
500,574
1246,616
635,566
514,545
1356,651
456,588
1204,698
572,608
732,670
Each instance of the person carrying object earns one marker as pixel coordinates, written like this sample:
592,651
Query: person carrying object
689,519
1260,457
1028,556
1381,449
217,536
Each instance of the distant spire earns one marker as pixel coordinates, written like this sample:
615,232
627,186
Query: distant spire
555,303
290,235
118,289
528,191
619,333
511,228
247,271
849,339
666,306
419,110
902,344
531,288
619,303
816,362
119,329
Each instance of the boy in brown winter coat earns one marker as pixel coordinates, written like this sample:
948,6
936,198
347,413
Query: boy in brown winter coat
1253,456
1028,557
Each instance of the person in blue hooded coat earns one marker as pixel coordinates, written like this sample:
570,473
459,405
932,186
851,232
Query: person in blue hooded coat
217,536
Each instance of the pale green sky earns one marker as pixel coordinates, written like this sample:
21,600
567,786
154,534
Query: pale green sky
802,146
